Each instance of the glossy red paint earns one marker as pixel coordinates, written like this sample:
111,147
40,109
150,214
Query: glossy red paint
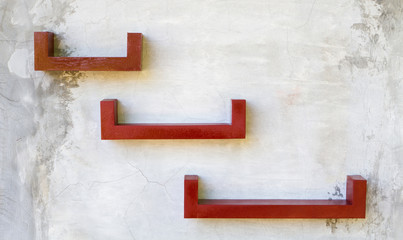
352,207
45,60
112,130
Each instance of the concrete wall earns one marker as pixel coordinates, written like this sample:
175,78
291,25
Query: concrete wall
323,84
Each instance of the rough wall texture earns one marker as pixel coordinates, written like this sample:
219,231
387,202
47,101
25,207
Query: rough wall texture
323,84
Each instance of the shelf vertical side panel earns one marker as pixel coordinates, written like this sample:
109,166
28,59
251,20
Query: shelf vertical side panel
238,120
191,196
356,194
109,117
43,49
134,51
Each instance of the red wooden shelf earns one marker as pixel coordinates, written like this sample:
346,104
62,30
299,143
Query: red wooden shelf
352,207
45,60
112,130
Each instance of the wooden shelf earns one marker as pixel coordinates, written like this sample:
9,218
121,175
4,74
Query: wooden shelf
112,130
46,61
352,207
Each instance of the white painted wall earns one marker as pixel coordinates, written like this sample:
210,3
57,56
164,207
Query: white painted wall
323,84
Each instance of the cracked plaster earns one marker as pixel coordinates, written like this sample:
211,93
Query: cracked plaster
322,81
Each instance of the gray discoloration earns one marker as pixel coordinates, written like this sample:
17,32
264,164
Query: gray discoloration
60,49
358,61
55,13
332,223
391,17
370,61
52,131
337,193
369,51
360,27
68,78
35,121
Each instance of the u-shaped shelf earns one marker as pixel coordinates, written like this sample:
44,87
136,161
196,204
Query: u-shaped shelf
45,60
352,207
112,130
